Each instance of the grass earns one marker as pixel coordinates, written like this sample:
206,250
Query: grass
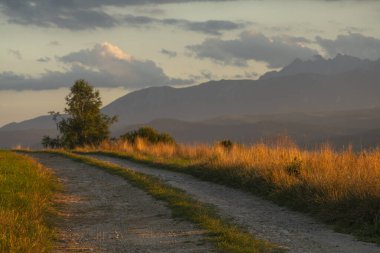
340,188
226,236
26,192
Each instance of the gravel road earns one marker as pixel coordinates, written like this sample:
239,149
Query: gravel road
295,231
100,212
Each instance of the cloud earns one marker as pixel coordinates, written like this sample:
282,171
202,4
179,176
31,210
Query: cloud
44,59
54,43
275,51
213,27
15,53
354,44
170,54
151,10
104,65
72,19
73,15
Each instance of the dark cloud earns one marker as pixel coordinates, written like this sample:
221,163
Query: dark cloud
104,65
170,54
213,27
73,19
150,10
74,15
204,75
15,53
275,51
354,44
44,59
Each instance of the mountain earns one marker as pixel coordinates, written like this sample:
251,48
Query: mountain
25,138
41,122
319,65
341,128
318,99
27,133
306,92
246,133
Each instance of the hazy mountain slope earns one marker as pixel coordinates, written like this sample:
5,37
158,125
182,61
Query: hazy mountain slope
297,93
26,138
352,119
201,132
41,122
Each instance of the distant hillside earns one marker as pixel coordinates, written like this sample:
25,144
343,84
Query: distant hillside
359,127
351,119
247,133
26,138
309,100
297,93
41,122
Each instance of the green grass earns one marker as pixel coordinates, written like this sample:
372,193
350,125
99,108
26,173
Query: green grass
226,237
26,192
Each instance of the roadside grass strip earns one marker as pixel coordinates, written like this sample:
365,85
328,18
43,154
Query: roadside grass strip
26,209
226,236
319,189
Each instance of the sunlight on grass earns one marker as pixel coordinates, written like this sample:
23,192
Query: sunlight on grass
341,188
26,190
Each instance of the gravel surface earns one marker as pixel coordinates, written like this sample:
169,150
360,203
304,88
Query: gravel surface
100,212
295,231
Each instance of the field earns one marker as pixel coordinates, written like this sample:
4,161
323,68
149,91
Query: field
26,192
341,188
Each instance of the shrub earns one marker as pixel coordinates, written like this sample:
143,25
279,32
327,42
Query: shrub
294,167
48,142
227,144
149,134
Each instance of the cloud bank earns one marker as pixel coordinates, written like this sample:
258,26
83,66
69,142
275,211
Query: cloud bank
73,15
104,65
274,51
354,44
213,27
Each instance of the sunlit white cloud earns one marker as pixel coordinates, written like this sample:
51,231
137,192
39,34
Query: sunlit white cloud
104,65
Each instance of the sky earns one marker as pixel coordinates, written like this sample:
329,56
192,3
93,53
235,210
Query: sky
120,46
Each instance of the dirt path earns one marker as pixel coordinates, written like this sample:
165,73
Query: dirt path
264,219
104,213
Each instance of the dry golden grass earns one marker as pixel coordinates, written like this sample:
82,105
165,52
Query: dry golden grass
342,187
26,191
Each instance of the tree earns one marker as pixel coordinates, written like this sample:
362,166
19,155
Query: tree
84,123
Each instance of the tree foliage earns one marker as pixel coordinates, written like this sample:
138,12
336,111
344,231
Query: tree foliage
84,124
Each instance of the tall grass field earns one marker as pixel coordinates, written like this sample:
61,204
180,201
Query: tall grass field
26,192
340,188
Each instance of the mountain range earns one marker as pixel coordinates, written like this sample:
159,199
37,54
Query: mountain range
312,101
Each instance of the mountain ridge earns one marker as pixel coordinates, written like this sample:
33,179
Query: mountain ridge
284,94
